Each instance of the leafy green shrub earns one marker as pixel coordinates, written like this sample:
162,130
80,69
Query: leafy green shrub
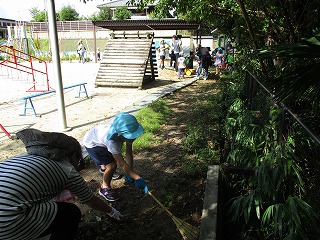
73,57
45,58
69,57
270,204
65,58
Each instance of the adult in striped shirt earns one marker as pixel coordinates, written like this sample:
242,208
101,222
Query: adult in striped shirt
28,184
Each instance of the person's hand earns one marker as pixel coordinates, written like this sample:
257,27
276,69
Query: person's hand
128,180
141,184
115,214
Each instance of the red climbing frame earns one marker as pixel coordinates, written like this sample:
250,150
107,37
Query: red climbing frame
5,131
23,62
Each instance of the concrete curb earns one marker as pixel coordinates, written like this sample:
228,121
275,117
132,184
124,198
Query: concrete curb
208,229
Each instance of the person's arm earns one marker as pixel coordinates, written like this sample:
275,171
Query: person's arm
139,181
102,206
125,167
129,154
79,188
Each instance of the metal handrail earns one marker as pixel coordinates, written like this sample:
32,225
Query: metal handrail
311,134
17,58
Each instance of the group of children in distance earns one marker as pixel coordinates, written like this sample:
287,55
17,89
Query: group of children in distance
217,59
202,55
178,60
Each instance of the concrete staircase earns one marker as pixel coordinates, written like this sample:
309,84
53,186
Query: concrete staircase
127,62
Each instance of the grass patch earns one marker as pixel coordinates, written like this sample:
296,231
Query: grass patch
201,144
202,119
151,118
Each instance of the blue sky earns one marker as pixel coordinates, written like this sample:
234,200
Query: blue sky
19,9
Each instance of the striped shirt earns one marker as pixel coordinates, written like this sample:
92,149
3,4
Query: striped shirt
28,183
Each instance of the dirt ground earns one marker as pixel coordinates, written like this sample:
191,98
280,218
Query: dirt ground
160,166
81,113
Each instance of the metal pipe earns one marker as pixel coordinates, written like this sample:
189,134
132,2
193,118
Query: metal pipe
53,33
95,43
302,124
313,136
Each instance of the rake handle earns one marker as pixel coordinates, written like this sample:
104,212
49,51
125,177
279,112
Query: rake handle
160,204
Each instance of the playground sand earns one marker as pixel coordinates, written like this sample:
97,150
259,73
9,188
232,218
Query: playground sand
81,113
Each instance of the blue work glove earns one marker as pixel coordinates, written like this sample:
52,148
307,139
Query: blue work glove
141,184
128,180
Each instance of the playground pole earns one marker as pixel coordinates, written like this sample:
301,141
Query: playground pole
5,131
53,33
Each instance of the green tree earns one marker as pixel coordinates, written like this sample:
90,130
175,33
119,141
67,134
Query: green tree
256,25
68,13
104,13
122,13
84,18
277,40
37,15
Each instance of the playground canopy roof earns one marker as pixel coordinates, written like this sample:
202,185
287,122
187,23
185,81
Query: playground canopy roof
147,24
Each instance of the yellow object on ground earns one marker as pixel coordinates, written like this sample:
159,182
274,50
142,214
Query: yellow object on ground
187,231
189,71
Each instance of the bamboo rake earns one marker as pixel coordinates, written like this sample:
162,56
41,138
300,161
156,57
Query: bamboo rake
187,231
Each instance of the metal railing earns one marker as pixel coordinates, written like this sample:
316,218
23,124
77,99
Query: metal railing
294,116
23,62
62,26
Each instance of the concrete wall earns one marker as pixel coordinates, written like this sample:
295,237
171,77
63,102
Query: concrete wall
208,229
101,34
188,42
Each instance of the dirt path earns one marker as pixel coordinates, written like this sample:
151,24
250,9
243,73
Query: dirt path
161,166
82,114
